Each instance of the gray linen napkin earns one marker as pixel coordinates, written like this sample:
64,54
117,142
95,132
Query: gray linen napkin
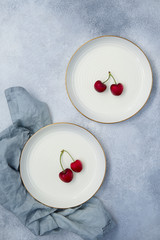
89,220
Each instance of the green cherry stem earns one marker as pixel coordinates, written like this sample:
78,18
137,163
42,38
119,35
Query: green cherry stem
68,154
61,159
112,77
107,78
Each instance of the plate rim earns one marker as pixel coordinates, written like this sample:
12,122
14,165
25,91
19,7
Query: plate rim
67,123
74,55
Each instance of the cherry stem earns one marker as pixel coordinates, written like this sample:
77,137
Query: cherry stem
68,154
110,75
107,78
61,159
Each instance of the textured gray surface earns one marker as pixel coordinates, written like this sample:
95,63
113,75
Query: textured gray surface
37,39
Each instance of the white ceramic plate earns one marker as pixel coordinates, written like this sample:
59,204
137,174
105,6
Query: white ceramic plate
40,166
91,62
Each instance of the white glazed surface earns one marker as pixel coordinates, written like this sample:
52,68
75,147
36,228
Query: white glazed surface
40,165
92,62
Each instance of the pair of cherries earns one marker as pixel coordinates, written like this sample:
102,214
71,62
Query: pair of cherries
67,175
116,88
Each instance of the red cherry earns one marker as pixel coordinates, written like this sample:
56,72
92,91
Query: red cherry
100,86
66,175
117,89
76,166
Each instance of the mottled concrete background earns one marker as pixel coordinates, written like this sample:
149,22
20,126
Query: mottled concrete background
37,39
